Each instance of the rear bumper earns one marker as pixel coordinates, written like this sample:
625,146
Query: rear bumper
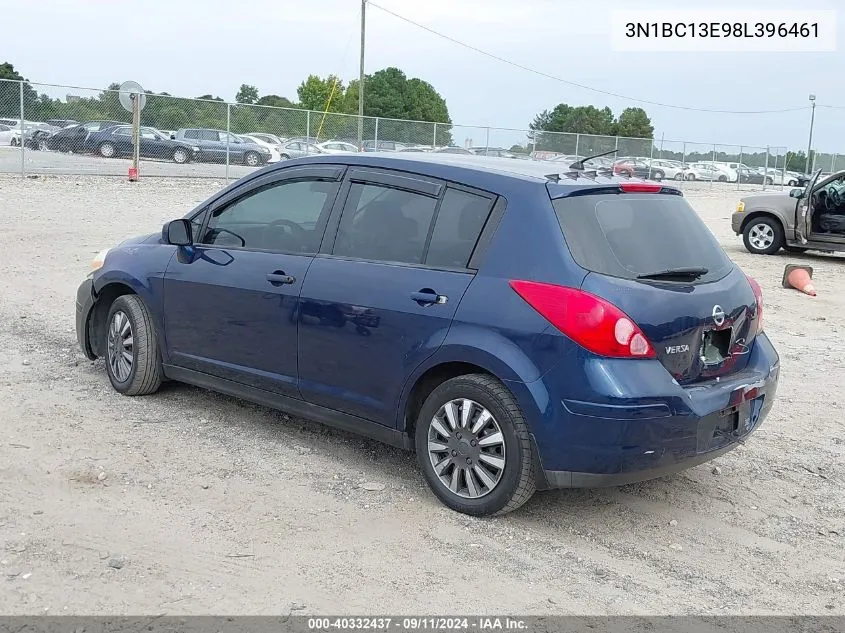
650,427
84,307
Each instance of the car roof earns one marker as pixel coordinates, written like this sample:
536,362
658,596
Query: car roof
455,166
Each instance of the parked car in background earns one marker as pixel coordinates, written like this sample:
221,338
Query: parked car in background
275,153
453,149
215,145
670,169
753,176
498,152
60,123
638,167
338,147
116,141
417,148
800,219
702,171
267,138
383,146
72,138
520,331
298,149
9,136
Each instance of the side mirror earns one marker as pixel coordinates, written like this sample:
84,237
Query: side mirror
178,233
796,193
172,137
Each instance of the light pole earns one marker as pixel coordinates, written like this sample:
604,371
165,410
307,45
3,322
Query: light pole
810,143
361,76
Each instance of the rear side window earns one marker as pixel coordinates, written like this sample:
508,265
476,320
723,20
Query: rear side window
458,226
626,235
192,133
384,224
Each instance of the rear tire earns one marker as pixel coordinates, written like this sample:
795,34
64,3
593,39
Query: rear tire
723,179
107,150
679,175
657,175
284,157
181,156
252,159
14,142
481,487
133,357
763,236
690,176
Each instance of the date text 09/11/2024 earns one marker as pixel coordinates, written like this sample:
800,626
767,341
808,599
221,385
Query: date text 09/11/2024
721,29
416,623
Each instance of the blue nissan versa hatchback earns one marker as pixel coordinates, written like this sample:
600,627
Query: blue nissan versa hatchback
519,330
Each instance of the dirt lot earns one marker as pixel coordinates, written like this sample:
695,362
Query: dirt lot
187,502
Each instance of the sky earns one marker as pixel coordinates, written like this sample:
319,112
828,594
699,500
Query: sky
195,47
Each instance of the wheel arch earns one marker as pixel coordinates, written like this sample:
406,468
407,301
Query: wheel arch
99,313
760,213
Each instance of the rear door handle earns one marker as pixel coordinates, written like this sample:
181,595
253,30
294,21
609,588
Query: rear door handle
427,297
279,278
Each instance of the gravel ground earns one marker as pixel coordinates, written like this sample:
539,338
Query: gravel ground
187,502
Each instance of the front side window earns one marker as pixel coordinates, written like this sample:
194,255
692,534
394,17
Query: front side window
285,217
384,224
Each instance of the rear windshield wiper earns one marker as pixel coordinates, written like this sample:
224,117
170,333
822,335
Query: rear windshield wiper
690,272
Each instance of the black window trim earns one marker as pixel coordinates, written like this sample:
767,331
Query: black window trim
419,184
333,173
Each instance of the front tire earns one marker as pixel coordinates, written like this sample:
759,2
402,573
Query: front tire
763,236
133,357
107,150
14,142
474,447
723,179
658,175
252,159
690,176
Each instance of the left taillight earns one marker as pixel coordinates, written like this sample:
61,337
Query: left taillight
592,322
758,295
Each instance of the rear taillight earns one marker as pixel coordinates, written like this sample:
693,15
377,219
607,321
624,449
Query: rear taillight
590,321
758,295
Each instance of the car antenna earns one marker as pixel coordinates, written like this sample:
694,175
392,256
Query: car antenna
579,165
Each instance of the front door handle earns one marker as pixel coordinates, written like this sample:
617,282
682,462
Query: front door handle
427,297
279,278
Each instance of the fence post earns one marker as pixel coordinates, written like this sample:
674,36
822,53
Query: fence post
434,139
307,132
487,143
662,138
375,137
738,176
714,162
833,163
766,168
684,163
23,139
534,144
228,132
577,142
650,157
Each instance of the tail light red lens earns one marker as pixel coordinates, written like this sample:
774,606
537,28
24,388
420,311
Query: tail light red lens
640,187
758,294
592,322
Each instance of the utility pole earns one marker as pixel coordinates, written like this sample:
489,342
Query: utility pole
361,76
810,144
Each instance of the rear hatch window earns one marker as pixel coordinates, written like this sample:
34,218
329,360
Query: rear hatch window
628,235
700,318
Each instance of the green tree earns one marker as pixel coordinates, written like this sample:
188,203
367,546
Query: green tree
634,123
247,94
10,94
315,93
276,101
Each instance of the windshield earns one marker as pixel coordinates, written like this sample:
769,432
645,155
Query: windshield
630,235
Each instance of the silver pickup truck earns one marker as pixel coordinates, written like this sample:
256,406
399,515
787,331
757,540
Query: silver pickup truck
797,220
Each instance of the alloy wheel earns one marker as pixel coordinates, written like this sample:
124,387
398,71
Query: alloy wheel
761,236
466,448
121,346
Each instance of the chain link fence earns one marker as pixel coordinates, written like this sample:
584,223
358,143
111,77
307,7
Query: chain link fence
50,129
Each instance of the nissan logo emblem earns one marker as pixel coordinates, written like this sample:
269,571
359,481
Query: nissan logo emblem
718,315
